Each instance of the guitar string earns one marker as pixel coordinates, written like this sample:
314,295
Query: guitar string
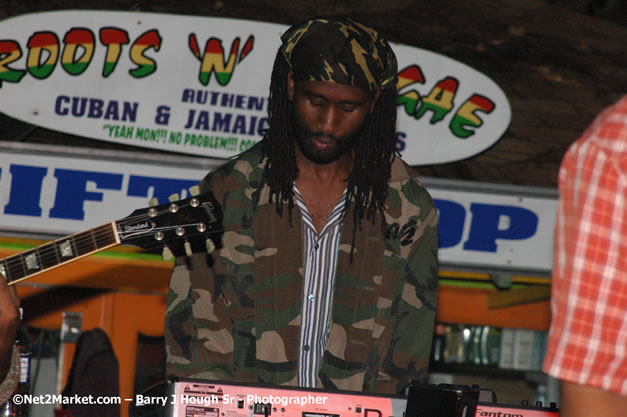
46,251
96,233
80,243
49,251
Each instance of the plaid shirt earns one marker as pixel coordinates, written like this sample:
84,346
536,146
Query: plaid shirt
588,337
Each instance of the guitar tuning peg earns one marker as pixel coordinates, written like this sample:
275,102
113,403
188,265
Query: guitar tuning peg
174,197
188,249
194,191
210,246
153,202
167,254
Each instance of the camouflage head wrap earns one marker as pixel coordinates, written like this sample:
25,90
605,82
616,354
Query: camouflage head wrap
339,50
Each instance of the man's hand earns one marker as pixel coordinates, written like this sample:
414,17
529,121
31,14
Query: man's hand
9,320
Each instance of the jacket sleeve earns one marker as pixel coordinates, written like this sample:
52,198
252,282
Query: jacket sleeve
198,337
210,315
415,304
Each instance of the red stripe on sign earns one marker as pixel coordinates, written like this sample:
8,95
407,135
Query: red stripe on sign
149,38
79,36
112,35
7,47
42,39
412,73
485,104
449,84
247,48
193,44
214,46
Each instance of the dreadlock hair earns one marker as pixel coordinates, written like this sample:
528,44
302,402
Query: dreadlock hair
373,154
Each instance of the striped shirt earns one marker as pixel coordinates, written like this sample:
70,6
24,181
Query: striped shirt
320,259
588,337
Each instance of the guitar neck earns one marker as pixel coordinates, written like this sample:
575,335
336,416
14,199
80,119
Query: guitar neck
24,265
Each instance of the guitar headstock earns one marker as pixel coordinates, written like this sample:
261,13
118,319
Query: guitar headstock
182,226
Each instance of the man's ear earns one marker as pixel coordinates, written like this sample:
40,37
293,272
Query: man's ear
375,97
290,86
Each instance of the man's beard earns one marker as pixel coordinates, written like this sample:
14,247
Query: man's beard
305,140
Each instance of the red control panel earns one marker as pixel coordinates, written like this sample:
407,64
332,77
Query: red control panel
196,398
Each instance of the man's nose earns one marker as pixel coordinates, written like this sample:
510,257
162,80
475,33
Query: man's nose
329,121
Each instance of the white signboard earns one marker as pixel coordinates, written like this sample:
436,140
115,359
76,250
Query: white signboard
63,195
496,227
499,226
199,85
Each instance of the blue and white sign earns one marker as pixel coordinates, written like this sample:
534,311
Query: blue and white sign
494,226
485,226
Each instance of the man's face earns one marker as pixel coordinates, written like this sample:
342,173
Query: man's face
327,117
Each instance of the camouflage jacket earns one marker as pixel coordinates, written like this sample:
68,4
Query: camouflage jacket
236,315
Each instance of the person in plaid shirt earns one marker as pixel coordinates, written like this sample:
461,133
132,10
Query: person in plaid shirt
587,346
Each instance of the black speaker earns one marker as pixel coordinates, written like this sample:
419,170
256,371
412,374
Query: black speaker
442,400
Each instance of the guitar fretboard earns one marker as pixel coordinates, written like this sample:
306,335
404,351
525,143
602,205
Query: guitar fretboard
50,255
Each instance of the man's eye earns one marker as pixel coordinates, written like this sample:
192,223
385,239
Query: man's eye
349,108
315,102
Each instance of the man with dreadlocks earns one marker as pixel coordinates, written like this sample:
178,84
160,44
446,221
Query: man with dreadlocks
327,272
